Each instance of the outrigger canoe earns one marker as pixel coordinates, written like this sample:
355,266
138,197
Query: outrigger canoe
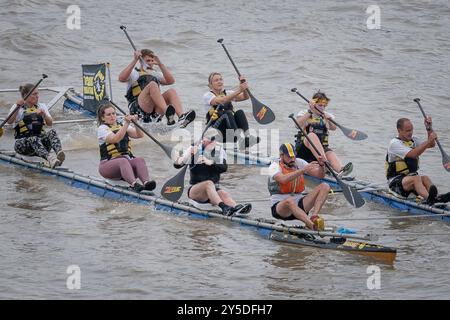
268,228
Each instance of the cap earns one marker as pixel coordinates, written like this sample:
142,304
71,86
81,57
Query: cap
287,149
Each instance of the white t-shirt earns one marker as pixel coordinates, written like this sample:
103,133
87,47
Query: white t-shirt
397,149
103,131
274,169
20,114
135,75
209,96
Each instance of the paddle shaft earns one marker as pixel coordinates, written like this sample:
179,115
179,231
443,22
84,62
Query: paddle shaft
109,80
329,119
417,100
25,98
124,29
167,150
232,62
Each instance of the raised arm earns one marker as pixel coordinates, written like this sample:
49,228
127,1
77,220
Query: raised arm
124,75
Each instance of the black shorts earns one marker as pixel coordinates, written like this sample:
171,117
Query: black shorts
217,189
303,152
397,187
291,217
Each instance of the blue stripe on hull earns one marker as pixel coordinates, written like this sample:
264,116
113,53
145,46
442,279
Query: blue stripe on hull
399,204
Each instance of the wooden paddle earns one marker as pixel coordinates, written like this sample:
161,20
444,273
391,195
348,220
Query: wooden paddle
349,133
350,193
18,107
262,113
166,149
445,157
173,189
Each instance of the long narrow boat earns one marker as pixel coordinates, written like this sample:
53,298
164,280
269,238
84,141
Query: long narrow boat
384,196
268,228
74,101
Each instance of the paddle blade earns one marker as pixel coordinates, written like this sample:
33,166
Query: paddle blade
173,189
352,133
1,132
168,150
446,161
262,113
352,195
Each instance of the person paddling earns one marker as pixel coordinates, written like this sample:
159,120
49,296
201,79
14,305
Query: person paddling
219,107
116,158
286,185
206,164
402,163
143,88
29,122
315,122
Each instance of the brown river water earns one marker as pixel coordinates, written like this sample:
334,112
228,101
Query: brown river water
129,251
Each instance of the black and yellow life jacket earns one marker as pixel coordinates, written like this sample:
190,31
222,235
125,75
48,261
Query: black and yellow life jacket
32,124
402,167
137,86
317,125
226,107
112,150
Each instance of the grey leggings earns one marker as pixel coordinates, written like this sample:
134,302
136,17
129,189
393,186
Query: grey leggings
38,146
124,168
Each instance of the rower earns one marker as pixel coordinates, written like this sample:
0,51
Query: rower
315,122
29,122
206,163
286,185
143,89
117,161
402,163
218,106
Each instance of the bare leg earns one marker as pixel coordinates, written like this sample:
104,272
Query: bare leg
414,183
171,97
316,198
289,206
151,99
205,191
226,198
334,161
426,182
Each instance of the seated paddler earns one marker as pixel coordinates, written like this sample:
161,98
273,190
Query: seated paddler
117,161
29,122
286,185
207,162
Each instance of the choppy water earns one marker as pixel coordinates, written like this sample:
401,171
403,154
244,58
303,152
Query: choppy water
128,251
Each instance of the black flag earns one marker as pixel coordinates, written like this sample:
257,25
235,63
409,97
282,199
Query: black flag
94,86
